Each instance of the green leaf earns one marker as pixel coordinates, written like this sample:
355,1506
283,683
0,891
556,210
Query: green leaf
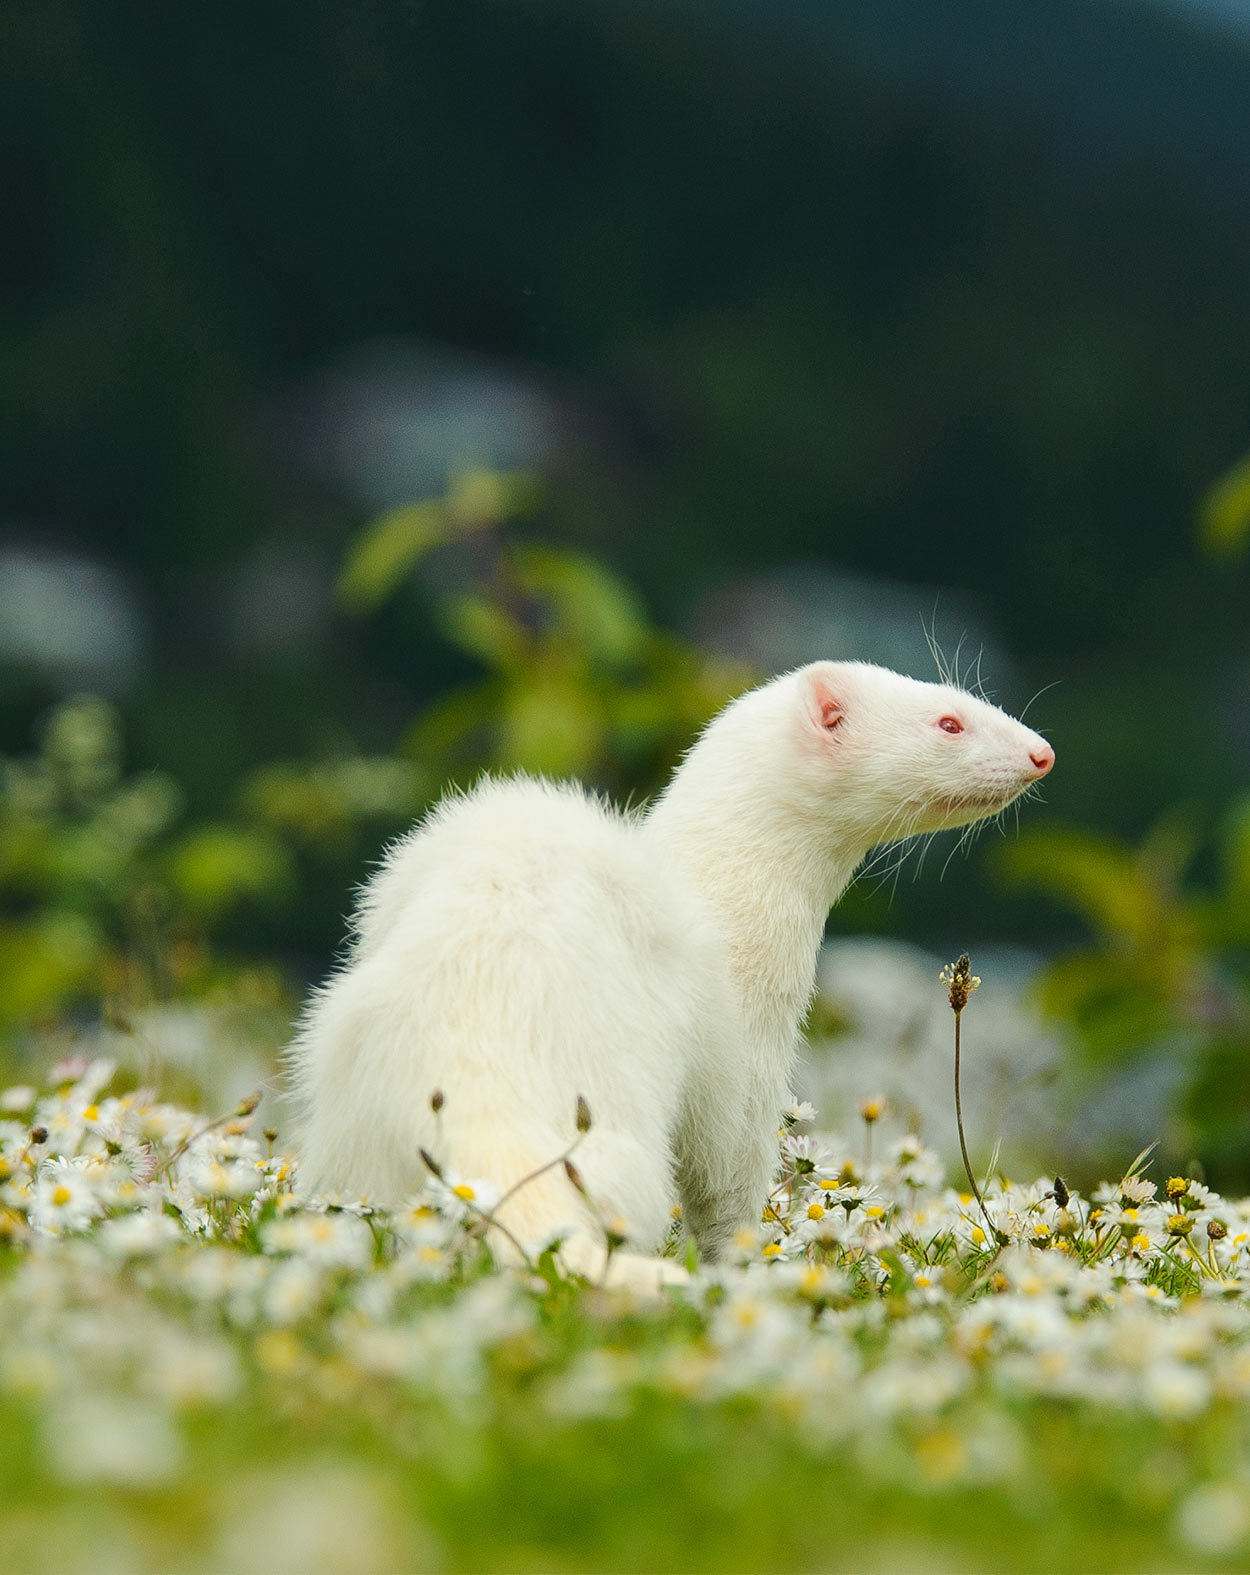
594,612
1224,518
1236,852
379,556
550,726
46,960
216,867
316,802
453,730
1099,878
478,499
486,631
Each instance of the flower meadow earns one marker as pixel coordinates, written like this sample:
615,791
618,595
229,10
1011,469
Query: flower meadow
202,1369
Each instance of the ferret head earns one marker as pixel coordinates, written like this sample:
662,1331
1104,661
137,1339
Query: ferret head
904,757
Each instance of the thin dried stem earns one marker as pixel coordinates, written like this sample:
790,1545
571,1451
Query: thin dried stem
242,1111
963,1147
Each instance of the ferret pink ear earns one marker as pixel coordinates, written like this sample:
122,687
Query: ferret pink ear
824,703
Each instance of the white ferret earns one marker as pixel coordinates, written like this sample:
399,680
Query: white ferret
528,944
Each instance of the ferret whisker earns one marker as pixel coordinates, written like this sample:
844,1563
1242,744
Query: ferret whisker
980,686
947,669
913,842
957,681
1043,690
929,631
897,845
963,841
893,851
924,854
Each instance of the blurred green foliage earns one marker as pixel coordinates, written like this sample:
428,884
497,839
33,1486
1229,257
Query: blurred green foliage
1166,965
107,896
1226,512
78,860
575,680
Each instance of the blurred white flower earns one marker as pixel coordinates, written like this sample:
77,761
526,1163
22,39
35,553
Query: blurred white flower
100,1437
1215,1518
62,1199
331,1240
139,1235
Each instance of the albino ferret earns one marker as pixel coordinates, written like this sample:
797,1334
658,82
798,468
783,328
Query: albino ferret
528,944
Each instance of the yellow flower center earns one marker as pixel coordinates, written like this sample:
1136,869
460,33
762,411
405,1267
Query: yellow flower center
91,1113
874,1211
815,1211
61,1196
465,1191
978,1235
773,1250
1140,1243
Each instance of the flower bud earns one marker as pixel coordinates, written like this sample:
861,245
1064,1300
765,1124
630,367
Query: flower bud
960,982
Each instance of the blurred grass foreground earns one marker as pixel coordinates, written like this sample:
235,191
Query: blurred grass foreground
201,1370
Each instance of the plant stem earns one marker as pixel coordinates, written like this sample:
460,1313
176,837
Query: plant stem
963,1147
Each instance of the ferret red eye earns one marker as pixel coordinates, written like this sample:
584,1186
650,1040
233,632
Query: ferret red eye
951,724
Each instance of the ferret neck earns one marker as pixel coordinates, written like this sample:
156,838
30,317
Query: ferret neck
770,878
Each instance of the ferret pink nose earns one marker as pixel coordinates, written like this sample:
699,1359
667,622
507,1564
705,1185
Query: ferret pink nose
1043,757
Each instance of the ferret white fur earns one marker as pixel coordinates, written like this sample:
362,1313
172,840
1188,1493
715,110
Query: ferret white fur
528,944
